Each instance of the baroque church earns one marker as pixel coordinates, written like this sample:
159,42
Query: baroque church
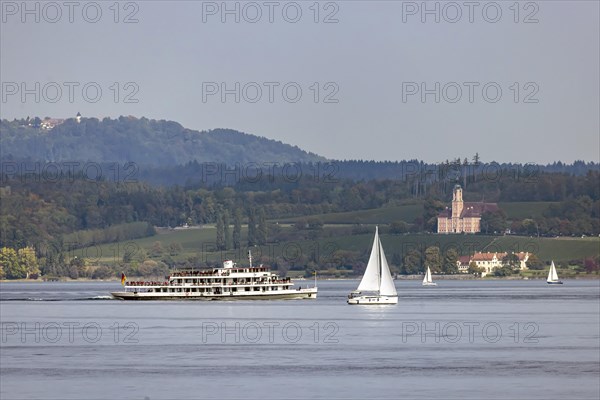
463,217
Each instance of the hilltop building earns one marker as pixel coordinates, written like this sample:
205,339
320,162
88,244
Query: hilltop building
49,123
463,217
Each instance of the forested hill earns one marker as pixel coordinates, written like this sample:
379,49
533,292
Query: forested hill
142,141
166,153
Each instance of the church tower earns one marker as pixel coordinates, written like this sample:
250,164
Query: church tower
457,202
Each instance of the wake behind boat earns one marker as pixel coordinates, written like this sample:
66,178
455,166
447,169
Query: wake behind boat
553,276
377,279
228,283
427,280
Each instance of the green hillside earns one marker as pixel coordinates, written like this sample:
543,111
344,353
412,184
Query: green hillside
200,243
521,210
383,215
408,213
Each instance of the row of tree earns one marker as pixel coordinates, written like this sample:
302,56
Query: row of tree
35,210
55,215
18,264
257,229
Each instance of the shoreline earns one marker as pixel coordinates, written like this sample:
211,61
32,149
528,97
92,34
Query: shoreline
587,277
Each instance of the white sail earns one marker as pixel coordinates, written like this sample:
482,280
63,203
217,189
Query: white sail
552,275
427,278
371,279
387,287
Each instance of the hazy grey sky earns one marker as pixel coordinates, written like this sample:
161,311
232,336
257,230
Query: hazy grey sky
374,61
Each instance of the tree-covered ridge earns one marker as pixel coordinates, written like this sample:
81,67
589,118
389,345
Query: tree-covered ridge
166,153
34,210
142,141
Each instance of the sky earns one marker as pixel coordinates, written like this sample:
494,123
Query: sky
374,80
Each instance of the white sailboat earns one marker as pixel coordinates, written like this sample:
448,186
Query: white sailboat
427,281
553,276
377,280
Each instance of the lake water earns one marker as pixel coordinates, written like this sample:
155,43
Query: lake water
460,340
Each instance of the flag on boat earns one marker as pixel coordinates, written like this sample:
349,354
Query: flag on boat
123,278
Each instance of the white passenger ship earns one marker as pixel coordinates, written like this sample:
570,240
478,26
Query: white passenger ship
228,283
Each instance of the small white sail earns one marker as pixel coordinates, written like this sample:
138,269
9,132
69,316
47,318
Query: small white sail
552,275
370,280
427,278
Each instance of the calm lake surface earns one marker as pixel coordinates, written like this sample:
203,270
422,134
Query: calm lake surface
460,340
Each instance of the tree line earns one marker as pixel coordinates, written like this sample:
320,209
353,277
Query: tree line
51,215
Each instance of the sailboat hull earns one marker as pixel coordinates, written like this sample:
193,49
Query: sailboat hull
429,284
373,300
555,283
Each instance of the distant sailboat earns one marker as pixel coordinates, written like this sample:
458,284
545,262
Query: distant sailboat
427,281
376,280
553,276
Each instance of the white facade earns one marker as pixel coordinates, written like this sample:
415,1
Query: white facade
488,262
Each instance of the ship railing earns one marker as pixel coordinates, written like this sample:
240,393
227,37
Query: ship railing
146,283
194,273
187,284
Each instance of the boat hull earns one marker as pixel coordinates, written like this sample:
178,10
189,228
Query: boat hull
373,300
430,284
555,283
309,293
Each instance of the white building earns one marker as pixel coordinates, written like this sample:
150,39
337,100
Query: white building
488,262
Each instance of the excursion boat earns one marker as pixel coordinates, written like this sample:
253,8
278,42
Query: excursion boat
231,282
377,286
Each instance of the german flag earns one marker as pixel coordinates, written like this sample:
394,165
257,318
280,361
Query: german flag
123,279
